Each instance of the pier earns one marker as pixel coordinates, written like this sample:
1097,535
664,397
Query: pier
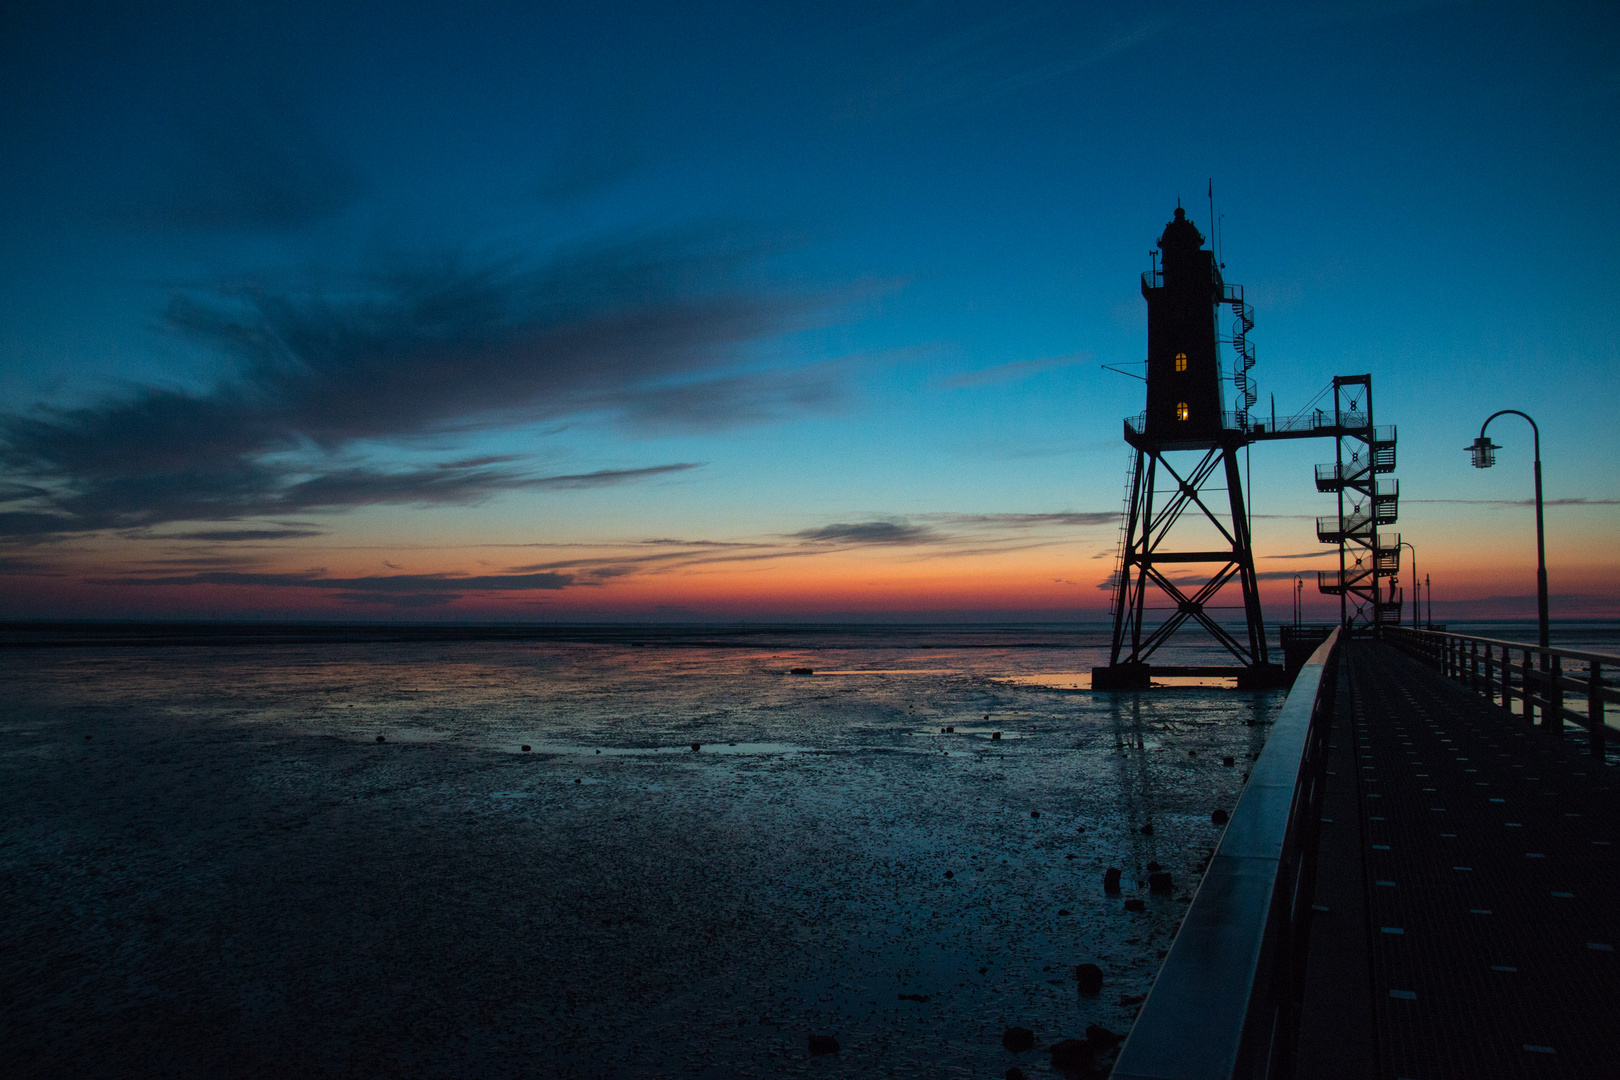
1419,882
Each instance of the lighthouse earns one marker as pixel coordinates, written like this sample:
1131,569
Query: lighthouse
1185,406
1185,537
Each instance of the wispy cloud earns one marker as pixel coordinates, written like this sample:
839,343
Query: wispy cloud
398,590
1022,369
870,532
1026,521
1521,502
648,331
921,61
234,535
253,161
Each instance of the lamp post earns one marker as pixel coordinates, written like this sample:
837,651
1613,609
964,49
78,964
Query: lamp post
1484,452
1416,598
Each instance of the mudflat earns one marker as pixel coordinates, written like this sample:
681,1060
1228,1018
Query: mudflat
211,867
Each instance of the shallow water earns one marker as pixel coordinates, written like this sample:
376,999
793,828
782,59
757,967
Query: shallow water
211,866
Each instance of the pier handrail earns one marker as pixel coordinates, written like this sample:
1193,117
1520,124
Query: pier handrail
1485,665
1225,1001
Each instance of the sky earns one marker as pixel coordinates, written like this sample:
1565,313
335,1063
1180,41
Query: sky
771,312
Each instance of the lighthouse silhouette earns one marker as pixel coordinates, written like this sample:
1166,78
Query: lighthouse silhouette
1186,412
1184,400
1185,535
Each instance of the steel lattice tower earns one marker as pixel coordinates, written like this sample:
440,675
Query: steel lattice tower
1185,453
1187,418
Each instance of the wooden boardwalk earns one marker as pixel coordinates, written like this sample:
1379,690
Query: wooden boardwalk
1467,890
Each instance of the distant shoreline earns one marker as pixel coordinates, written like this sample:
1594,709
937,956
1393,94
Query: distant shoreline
988,635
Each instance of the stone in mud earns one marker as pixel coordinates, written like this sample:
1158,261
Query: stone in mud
1159,884
950,731
823,1044
1101,1037
525,748
1018,1039
1111,879
950,873
1089,977
1133,904
1034,813
915,997
1154,868
1218,816
696,747
1228,761
1073,1055
1015,1073
995,734
802,671
381,739
1147,830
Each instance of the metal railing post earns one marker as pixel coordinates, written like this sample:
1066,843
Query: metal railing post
1594,708
1490,685
1554,714
1507,680
1473,666
1526,691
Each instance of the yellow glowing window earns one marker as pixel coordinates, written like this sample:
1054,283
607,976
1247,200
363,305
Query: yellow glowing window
1181,365
1181,410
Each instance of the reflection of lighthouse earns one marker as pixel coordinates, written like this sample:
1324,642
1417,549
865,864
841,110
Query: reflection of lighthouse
1186,458
1184,399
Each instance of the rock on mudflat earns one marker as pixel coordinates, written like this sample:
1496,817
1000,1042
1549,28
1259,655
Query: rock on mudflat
1101,1037
1015,1073
823,1044
1018,1039
1073,1055
1159,884
1090,978
1111,879
381,739
1133,904
525,748
1218,816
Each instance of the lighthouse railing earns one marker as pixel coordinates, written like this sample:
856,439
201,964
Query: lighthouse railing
1221,1006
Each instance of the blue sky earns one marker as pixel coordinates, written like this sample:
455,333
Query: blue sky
342,293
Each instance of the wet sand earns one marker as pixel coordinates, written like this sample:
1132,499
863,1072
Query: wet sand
210,866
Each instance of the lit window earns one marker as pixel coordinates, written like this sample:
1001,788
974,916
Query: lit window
1181,410
1181,365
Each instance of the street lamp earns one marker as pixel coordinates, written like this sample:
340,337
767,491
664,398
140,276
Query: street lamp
1416,597
1484,452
